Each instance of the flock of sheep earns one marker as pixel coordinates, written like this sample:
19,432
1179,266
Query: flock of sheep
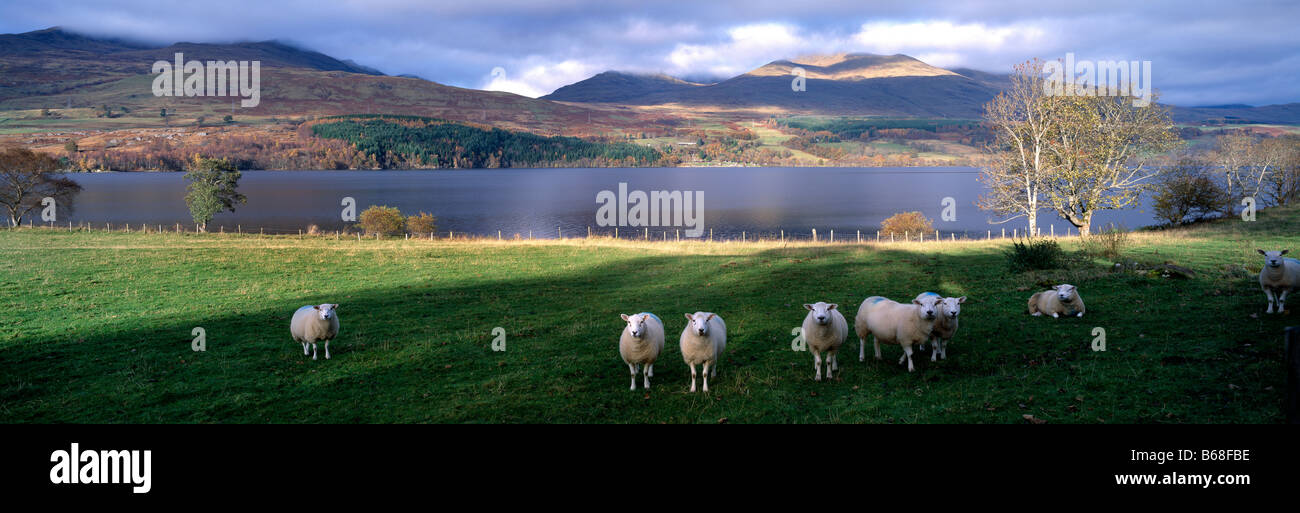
928,318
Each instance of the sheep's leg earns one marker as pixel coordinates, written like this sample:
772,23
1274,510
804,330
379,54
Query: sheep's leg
1056,315
835,360
313,350
1080,314
692,377
830,365
817,365
1272,300
645,376
650,371
907,352
934,353
943,350
632,368
877,341
1281,301
707,367
862,349
327,349
306,351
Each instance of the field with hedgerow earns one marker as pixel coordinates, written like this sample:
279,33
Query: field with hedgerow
99,327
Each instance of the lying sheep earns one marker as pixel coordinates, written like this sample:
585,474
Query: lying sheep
314,323
1279,277
703,341
641,343
945,326
895,323
1062,299
824,330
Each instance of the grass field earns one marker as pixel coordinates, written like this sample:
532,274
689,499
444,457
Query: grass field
97,327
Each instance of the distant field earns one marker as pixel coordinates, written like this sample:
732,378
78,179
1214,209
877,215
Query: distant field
97,328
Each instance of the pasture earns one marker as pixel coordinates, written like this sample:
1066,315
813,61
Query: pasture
97,328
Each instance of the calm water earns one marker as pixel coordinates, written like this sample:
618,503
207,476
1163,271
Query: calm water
483,201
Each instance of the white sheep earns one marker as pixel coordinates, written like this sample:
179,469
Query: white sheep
1062,299
945,326
702,342
1279,277
824,330
640,344
314,323
895,323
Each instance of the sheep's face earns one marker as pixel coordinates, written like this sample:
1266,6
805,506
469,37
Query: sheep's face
699,323
635,325
821,312
950,307
1065,292
1273,258
325,312
929,307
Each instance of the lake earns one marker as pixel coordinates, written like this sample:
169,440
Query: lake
483,201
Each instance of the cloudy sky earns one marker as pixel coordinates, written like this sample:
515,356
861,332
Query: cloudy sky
1202,52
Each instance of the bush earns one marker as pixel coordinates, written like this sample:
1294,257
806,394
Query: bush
907,223
422,224
1108,243
382,220
1035,254
1187,193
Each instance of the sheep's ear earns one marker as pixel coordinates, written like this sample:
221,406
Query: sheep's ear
335,306
689,317
808,306
832,306
1285,251
315,307
961,300
711,316
916,301
1261,252
624,316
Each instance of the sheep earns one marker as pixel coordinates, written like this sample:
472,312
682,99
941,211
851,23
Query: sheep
314,323
824,330
1062,299
1279,277
895,323
702,342
945,326
640,344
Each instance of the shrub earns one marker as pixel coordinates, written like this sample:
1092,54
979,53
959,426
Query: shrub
1108,242
1187,193
423,223
383,220
906,223
1028,254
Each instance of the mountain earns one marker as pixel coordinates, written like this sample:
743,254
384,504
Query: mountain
619,87
54,69
839,84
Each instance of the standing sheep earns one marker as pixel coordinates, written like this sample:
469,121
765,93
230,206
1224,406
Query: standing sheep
895,323
1279,277
640,344
945,326
824,330
314,323
703,341
1062,299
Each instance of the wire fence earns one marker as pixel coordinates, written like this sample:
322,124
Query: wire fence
620,233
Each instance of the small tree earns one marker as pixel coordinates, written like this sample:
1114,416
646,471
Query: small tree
422,224
231,119
213,185
906,223
71,148
27,178
1188,192
383,220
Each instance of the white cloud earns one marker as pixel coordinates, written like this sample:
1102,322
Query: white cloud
922,36
539,78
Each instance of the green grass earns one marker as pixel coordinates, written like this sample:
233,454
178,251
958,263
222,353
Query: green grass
97,328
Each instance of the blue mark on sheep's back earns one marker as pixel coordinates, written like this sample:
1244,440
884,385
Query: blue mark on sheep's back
653,316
